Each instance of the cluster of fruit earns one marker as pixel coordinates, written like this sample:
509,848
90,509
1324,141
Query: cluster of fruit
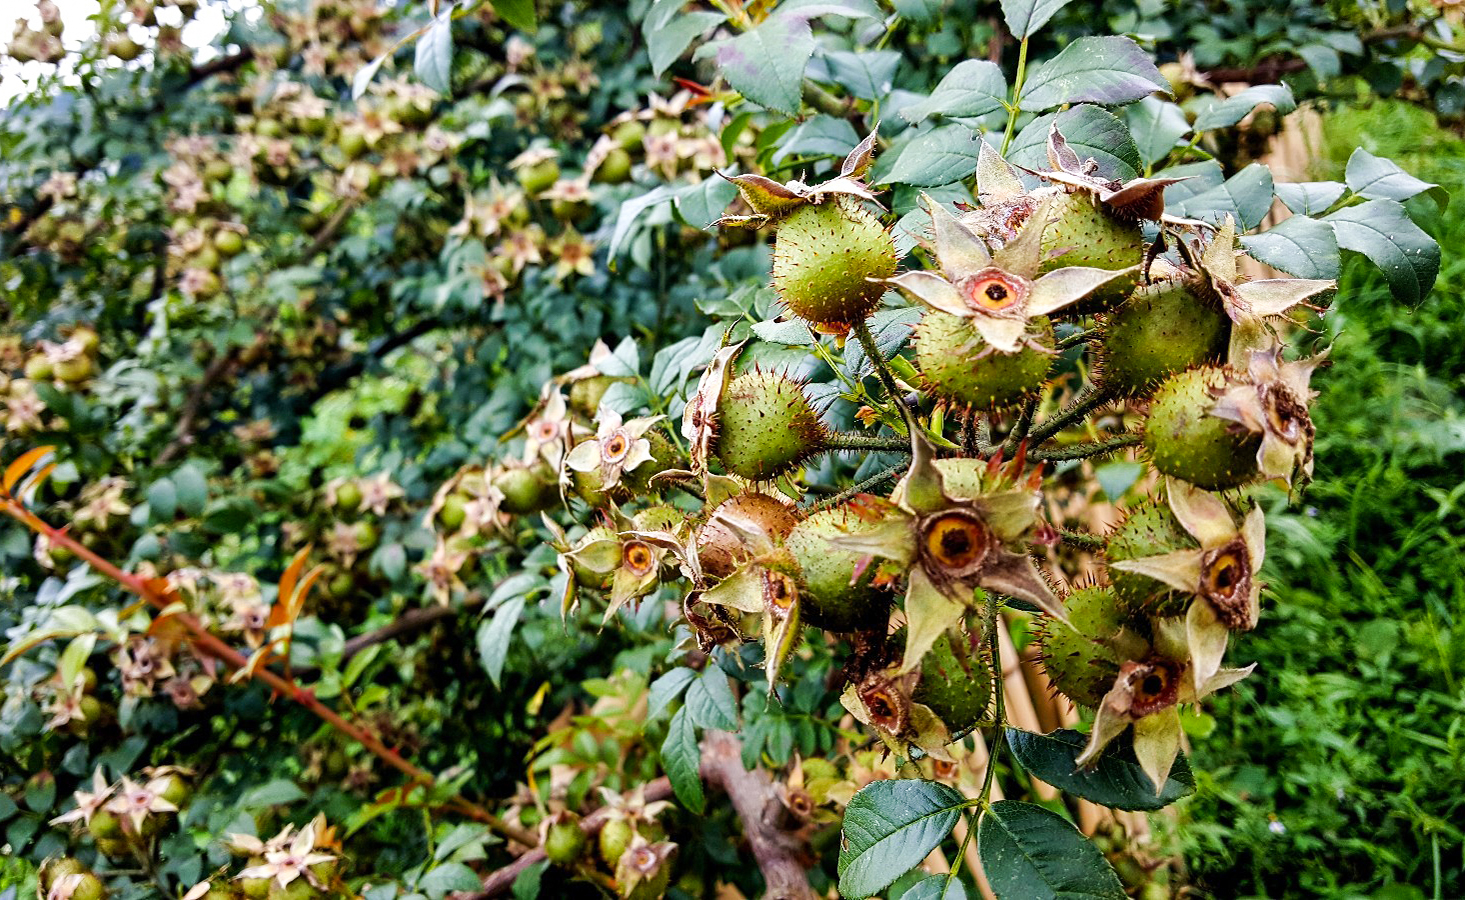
1048,262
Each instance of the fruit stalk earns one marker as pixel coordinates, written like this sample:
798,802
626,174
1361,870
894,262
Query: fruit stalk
846,440
1084,451
1086,403
887,380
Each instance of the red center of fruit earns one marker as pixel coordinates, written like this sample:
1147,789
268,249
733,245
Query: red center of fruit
1286,416
886,707
993,290
1226,583
638,558
1154,685
779,593
614,448
957,542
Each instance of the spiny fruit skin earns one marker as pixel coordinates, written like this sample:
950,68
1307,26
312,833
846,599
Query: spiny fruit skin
1187,442
526,490
765,426
823,259
585,394
956,681
1081,667
658,518
1088,236
1150,529
1162,329
664,456
615,836
719,549
830,597
564,843
959,367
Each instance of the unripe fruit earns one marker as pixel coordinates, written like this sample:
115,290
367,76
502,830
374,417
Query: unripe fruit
113,847
175,790
75,370
52,869
720,550
348,497
366,535
39,368
765,426
1078,664
615,836
1150,529
629,135
255,888
104,826
824,257
1187,442
585,394
564,842
615,168
123,47
229,243
586,577
1086,235
661,127
539,177
351,142
956,681
525,490
664,456
91,710
1162,329
88,679
90,887
218,170
453,513
831,596
958,366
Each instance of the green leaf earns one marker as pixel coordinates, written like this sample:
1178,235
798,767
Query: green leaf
527,884
1157,126
666,689
936,887
518,13
682,758
162,500
1377,178
703,203
974,88
40,794
1310,198
1225,113
1245,196
631,210
868,76
667,40
1298,246
450,876
1090,131
939,156
364,75
1114,780
918,11
766,63
1029,853
1026,16
494,634
1382,231
280,792
818,136
889,827
434,60
710,701
192,489
1109,71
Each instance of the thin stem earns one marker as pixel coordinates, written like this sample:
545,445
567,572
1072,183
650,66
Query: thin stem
1013,109
1078,337
1084,451
212,645
860,487
1086,403
848,440
887,379
1020,429
822,100
960,853
994,746
1081,541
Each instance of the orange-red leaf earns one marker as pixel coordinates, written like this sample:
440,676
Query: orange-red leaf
292,576
23,464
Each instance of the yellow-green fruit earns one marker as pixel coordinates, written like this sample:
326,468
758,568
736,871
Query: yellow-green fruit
87,337
88,679
75,370
615,168
585,394
664,456
351,142
123,47
765,426
957,365
255,888
526,490
1150,529
1184,440
823,259
453,512
615,836
590,487
229,243
956,681
658,518
348,497
39,368
833,593
586,577
720,550
539,177
1162,329
299,889
59,867
629,135
564,842
89,887
175,790
1077,661
218,170
113,847
104,825
366,535
91,710
1083,234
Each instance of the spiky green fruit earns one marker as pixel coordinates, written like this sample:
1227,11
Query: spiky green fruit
1078,661
833,593
526,489
564,842
957,365
1187,442
765,426
1162,329
664,455
956,681
824,257
1083,234
585,393
615,836
1150,529
658,518
720,549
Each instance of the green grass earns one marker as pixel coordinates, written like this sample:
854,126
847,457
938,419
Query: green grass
1338,770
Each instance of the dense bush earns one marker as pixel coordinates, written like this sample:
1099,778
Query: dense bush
299,337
